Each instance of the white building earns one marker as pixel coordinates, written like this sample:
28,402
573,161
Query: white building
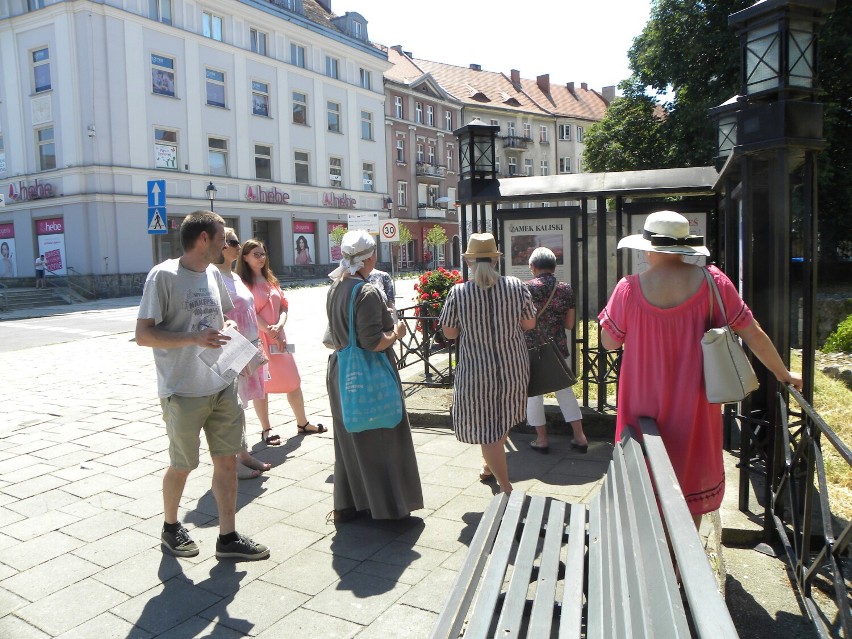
280,105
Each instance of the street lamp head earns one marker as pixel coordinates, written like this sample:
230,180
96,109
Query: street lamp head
211,192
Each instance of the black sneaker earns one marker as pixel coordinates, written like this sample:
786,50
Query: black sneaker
242,548
179,543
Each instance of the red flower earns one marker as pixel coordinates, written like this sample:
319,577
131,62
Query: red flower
435,295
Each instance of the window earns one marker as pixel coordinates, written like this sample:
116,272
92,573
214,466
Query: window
510,129
545,167
258,41
335,172
495,122
418,113
527,131
402,193
41,70
46,149
366,79
367,170
513,166
449,160
543,134
356,30
217,156
366,125
297,55
162,75
564,165
211,26
215,88
421,155
564,131
260,98
161,10
165,149
301,166
300,108
333,111
448,118
332,67
579,165
431,154
497,164
528,166
400,151
397,107
33,5
430,115
580,134
262,162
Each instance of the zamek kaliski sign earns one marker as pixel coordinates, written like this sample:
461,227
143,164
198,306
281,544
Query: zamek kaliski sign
21,192
271,196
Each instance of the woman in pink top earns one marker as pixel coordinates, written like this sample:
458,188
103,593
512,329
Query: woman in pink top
659,316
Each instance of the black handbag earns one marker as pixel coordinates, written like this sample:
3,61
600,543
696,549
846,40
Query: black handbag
548,370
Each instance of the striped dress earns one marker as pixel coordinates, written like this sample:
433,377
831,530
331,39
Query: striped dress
490,390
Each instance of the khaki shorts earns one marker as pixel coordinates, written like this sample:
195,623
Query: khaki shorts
219,415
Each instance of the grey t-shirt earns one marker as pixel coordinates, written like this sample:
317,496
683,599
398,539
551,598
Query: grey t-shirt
181,300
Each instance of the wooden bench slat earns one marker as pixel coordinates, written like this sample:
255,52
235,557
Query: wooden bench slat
452,616
571,622
541,618
486,602
512,615
707,608
594,595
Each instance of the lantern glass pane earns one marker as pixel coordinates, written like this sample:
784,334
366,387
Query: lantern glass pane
483,152
727,136
465,158
801,55
763,67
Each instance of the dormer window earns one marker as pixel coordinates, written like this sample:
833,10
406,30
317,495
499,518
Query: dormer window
357,30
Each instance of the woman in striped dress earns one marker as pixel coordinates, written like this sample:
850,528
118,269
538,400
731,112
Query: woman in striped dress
490,313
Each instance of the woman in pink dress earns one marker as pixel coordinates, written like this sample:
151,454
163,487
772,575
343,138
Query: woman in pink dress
659,316
271,308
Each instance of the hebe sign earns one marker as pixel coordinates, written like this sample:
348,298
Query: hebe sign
271,196
21,192
50,227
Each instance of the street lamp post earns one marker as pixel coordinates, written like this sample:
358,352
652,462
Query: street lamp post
211,194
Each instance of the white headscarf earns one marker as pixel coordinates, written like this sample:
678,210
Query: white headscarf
356,246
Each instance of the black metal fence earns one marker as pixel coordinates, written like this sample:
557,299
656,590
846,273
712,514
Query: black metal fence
425,344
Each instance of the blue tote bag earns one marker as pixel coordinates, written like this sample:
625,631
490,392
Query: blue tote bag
370,395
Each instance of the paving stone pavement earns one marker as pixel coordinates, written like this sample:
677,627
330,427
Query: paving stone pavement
82,453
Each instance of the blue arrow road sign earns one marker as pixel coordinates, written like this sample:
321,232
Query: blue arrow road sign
157,221
156,193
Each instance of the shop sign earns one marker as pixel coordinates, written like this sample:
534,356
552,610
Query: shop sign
270,196
338,201
50,226
21,192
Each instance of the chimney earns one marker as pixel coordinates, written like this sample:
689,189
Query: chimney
543,82
570,86
475,67
608,94
584,86
397,48
516,77
325,4
409,54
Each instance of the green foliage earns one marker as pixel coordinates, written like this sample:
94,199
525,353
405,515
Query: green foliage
436,236
404,234
840,341
432,291
337,234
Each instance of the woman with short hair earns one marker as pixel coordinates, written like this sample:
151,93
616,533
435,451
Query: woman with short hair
490,313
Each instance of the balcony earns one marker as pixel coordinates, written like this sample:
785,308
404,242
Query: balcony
515,142
435,171
426,211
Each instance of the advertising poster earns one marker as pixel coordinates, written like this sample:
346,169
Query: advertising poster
7,250
304,242
51,244
522,237
334,247
697,226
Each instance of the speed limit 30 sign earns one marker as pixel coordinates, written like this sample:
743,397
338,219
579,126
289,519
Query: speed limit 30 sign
389,230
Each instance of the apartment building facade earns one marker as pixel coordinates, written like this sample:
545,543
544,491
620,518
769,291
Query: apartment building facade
278,105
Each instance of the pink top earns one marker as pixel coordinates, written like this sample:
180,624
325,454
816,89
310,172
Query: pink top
661,377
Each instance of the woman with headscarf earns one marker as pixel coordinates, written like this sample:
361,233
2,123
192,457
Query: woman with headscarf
491,313
375,471
659,317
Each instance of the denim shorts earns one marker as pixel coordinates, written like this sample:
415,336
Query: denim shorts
219,416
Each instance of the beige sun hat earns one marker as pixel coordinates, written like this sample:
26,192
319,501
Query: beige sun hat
666,232
481,245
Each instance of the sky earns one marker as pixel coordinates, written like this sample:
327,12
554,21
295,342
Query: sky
572,40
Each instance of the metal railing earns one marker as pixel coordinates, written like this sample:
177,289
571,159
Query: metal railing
799,490
74,279
425,343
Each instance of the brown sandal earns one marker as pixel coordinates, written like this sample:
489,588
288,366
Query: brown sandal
270,440
303,430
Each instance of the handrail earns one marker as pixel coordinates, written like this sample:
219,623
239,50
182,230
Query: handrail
798,462
72,276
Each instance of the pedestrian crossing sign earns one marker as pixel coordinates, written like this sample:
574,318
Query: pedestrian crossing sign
157,221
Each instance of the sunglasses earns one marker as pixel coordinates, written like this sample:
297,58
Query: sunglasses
258,256
233,243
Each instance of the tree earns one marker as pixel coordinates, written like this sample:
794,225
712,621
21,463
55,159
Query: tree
337,234
629,136
436,237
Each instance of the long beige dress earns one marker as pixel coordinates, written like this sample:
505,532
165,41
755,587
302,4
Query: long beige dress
374,470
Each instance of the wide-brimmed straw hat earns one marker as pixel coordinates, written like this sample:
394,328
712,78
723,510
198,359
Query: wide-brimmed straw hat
481,245
666,232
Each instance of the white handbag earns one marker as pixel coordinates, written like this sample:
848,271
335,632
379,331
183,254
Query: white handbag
728,375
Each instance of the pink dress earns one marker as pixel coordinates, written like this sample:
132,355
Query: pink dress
661,377
251,386
282,373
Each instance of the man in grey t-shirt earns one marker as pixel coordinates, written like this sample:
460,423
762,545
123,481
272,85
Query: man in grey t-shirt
181,313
